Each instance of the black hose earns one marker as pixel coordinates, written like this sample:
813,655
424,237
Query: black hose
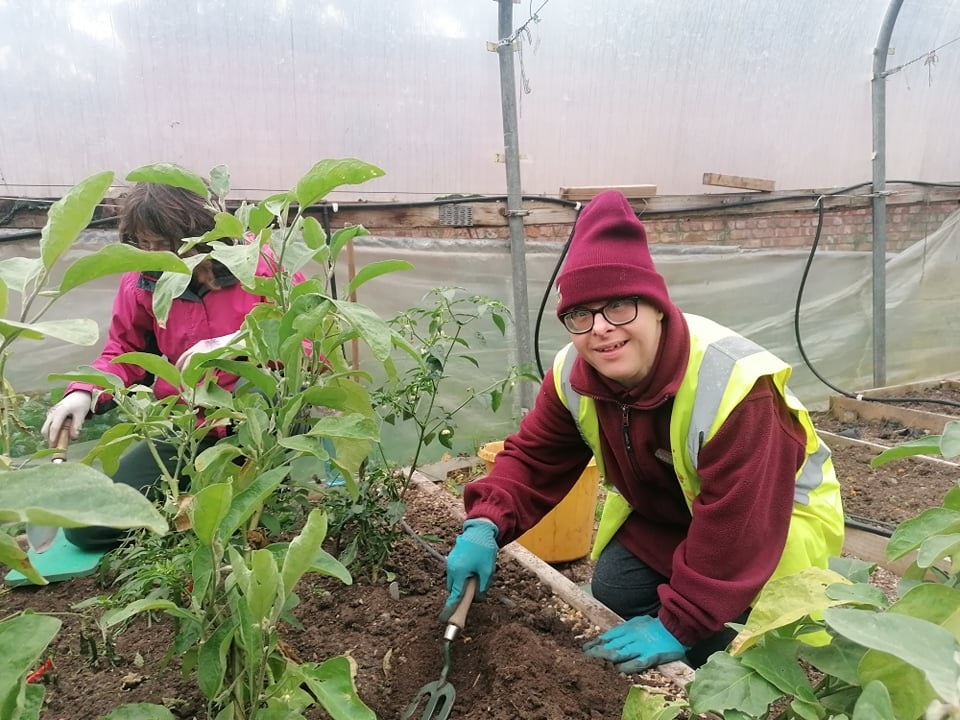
876,527
546,294
803,354
429,548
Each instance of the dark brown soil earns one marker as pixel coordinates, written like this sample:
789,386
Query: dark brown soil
518,658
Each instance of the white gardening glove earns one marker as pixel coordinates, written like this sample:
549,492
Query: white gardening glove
205,346
74,407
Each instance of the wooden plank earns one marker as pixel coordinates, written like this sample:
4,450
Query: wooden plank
892,391
587,192
738,181
847,409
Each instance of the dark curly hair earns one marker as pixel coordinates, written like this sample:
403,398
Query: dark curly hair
171,212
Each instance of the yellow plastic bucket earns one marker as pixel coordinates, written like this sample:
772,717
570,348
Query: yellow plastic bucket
566,532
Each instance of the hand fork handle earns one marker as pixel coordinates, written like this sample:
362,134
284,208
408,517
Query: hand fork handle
458,619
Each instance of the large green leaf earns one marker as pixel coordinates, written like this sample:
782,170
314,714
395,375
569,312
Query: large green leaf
241,260
313,234
950,440
354,426
840,658
69,215
911,533
23,639
140,711
82,331
4,297
12,556
786,600
641,704
170,286
118,616
74,495
169,174
344,235
929,445
373,329
212,661
209,508
776,662
874,704
18,272
324,563
332,682
725,683
250,499
154,364
302,549
924,645
264,587
909,691
373,270
119,258
259,378
332,173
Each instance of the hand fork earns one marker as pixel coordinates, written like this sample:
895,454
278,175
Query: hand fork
440,694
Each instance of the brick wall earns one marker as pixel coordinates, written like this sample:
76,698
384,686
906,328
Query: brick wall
843,228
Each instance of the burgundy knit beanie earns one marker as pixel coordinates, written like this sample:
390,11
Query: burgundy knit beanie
609,257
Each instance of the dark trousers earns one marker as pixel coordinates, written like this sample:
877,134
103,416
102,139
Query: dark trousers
138,468
628,586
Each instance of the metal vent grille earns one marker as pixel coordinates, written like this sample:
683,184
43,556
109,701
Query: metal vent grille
456,215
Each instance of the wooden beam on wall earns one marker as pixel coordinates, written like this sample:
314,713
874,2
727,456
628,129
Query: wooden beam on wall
587,192
737,181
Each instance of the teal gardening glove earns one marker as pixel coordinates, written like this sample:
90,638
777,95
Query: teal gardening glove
637,644
474,553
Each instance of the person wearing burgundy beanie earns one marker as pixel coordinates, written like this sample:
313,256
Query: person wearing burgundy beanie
717,481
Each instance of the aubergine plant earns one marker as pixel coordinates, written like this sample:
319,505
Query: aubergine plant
50,494
299,412
874,658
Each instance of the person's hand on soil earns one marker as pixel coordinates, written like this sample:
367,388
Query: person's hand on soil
474,553
74,406
637,644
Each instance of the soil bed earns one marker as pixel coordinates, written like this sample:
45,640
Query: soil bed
518,658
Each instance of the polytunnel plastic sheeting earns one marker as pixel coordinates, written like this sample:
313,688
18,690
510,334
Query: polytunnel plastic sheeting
752,291
620,92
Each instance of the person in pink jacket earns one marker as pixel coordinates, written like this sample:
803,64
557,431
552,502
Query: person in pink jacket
156,217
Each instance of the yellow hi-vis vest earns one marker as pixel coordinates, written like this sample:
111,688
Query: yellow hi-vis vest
722,369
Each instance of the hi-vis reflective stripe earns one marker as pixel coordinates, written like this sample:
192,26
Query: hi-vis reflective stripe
571,398
719,359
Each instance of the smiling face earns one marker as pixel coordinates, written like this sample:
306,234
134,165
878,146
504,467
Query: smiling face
623,353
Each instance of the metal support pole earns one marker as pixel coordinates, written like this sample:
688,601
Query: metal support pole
511,147
879,102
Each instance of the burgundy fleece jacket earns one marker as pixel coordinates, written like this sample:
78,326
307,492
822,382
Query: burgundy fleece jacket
718,556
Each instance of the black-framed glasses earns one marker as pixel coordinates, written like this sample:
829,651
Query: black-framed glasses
616,312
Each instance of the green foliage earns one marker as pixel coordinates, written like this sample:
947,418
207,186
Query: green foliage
48,494
297,417
436,337
365,528
440,333
876,659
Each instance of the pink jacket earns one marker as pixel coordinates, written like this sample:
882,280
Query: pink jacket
192,318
